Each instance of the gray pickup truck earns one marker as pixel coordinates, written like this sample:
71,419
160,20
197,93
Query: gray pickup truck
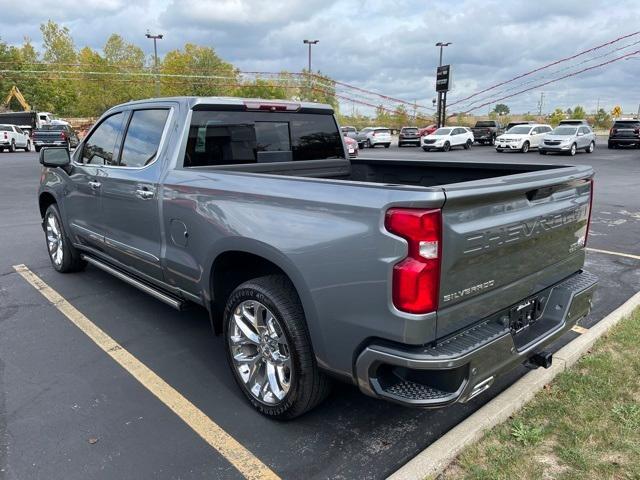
418,281
486,131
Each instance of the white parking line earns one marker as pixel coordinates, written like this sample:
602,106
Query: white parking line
609,252
241,458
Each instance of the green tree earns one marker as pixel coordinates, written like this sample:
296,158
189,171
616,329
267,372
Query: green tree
501,109
556,116
198,71
578,112
60,53
602,119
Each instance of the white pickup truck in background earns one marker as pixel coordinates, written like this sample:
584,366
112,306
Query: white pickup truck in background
12,138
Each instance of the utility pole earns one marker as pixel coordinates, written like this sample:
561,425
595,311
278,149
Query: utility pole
442,96
155,38
540,104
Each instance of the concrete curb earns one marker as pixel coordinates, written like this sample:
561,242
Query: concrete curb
437,456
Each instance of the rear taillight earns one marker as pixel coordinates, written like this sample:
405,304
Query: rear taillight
63,135
586,233
416,279
612,131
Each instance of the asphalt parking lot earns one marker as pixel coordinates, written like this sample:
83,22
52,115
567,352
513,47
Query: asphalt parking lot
67,410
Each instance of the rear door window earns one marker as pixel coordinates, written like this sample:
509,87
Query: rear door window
143,137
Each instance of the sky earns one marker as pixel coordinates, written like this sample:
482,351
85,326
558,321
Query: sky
383,46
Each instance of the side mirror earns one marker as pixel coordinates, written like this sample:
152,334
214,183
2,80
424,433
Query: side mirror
580,134
55,157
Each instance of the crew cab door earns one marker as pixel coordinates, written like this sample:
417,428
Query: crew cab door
130,194
83,203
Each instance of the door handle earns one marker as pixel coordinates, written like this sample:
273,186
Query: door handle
94,185
144,193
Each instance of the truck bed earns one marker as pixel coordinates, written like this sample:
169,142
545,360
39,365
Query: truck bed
393,172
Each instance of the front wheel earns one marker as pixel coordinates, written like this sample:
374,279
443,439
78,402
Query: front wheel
63,255
573,150
269,349
447,147
27,148
38,148
591,147
542,152
499,150
525,147
467,145
387,145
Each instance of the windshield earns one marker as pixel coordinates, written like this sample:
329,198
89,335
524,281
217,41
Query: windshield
520,130
442,131
409,130
564,131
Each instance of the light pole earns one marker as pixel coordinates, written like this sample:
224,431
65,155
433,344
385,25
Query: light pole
441,95
155,38
310,42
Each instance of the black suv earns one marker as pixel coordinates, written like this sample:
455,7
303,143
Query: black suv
409,136
624,132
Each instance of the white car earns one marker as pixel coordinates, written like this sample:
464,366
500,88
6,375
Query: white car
522,138
371,136
12,137
446,138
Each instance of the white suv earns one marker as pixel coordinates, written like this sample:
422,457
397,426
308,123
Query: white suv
446,138
12,137
522,138
372,136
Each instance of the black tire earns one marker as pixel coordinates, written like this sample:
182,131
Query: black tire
525,147
71,261
446,147
467,145
12,147
611,145
368,144
425,149
309,385
387,145
38,148
542,152
591,147
500,150
28,147
572,151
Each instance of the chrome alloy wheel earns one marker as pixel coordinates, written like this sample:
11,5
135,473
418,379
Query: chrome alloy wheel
260,352
54,239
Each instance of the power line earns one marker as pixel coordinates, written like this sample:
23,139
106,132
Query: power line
573,74
556,62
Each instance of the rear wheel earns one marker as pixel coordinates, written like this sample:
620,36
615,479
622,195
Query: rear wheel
63,255
525,147
27,148
446,147
12,147
269,350
611,145
387,145
591,147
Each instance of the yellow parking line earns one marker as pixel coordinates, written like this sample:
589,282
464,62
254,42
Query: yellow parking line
579,329
609,252
241,458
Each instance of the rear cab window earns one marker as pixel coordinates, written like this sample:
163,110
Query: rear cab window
626,124
218,137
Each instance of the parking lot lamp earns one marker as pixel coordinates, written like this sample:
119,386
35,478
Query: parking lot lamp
441,114
310,42
155,38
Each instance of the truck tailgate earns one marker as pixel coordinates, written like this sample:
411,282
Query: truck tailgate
505,239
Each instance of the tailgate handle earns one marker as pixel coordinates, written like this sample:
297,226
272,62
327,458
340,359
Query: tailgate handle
542,192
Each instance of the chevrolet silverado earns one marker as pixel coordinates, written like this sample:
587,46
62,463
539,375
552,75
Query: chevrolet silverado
418,281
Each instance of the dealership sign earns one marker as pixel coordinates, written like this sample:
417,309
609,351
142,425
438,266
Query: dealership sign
443,78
